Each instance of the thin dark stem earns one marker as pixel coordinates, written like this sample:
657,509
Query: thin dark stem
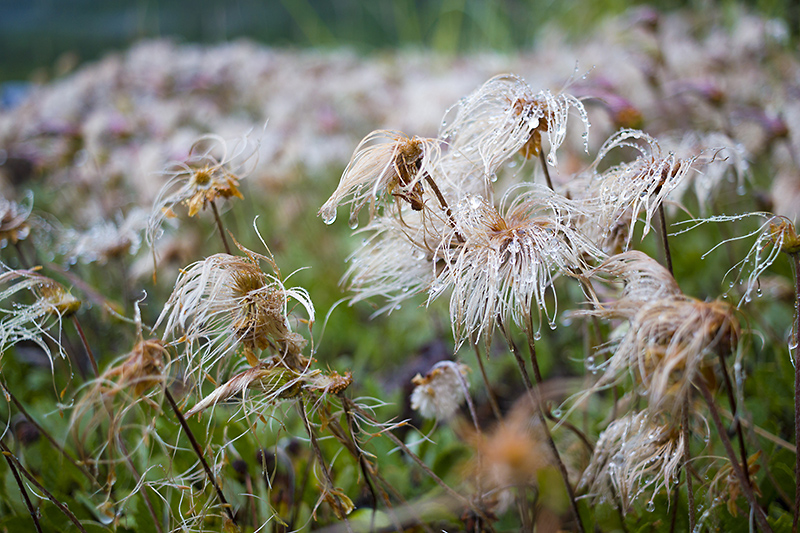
86,347
329,486
50,438
686,458
489,390
796,258
138,478
546,171
400,444
673,521
536,398
220,227
198,452
24,493
735,411
366,467
662,224
737,468
443,203
63,508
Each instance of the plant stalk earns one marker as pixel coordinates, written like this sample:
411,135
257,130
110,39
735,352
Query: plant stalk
546,171
536,398
24,493
662,224
198,452
220,227
63,508
686,458
795,340
86,347
761,518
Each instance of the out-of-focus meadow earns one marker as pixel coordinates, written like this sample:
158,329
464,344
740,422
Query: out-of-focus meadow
108,114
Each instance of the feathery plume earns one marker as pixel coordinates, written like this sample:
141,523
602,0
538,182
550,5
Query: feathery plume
440,393
505,116
227,302
636,453
384,163
500,264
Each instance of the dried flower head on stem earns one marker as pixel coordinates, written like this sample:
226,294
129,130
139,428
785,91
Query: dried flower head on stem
501,263
211,170
14,225
19,321
669,336
623,191
441,391
384,163
226,303
504,117
635,454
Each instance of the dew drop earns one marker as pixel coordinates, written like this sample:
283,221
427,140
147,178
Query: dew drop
557,413
353,221
328,215
651,506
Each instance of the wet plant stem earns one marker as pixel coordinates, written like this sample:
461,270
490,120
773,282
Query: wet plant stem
63,508
24,493
329,486
489,390
732,402
760,517
48,436
86,347
662,225
366,467
795,340
400,444
536,398
442,202
198,452
220,227
686,458
546,171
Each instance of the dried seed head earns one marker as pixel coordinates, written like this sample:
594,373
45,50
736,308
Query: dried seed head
637,453
620,193
504,117
227,302
272,380
14,220
143,367
441,391
501,264
32,321
670,336
384,163
210,171
509,456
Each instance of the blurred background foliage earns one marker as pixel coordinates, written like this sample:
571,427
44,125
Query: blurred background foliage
45,38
